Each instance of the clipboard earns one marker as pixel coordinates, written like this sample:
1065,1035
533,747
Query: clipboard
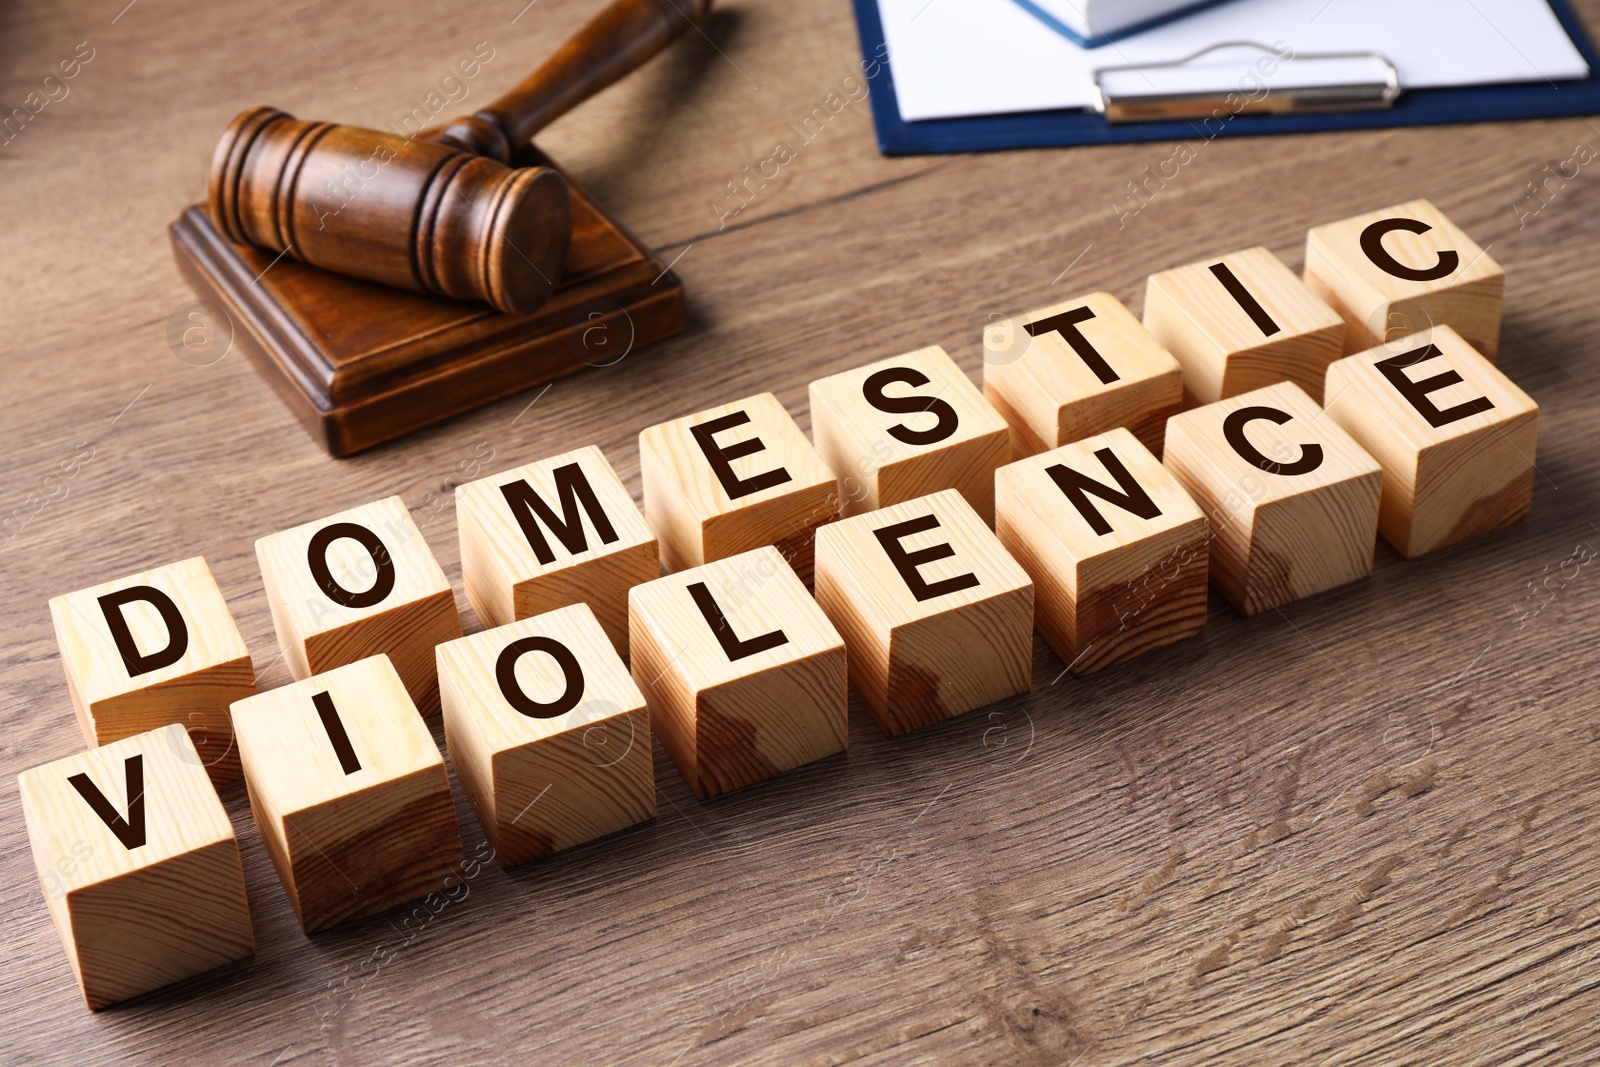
1065,128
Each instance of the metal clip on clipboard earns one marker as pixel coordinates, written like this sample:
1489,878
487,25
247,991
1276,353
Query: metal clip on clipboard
1282,84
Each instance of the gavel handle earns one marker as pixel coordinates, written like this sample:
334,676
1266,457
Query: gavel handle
613,43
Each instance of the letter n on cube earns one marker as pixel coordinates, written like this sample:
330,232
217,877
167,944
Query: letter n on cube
1116,548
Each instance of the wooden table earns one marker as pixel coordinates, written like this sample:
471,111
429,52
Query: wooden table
1359,829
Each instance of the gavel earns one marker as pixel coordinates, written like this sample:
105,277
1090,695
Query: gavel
441,211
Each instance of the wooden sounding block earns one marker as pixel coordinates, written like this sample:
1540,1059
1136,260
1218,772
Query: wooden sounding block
1404,269
155,648
557,532
905,427
1292,498
358,363
1455,437
1087,367
744,674
1117,550
349,792
548,733
138,863
357,584
734,478
1240,322
937,617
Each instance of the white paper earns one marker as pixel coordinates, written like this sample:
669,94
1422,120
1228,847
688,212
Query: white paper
955,58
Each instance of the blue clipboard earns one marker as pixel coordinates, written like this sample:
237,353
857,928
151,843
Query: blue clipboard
1057,129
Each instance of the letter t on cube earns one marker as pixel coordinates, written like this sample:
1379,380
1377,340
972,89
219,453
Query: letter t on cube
1079,368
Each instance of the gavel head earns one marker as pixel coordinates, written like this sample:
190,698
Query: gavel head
419,214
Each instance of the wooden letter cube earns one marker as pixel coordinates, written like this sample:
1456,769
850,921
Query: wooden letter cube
1455,437
1292,499
906,427
138,862
558,532
357,584
151,649
547,732
1402,270
349,792
1240,322
937,617
1087,367
744,674
735,478
1117,550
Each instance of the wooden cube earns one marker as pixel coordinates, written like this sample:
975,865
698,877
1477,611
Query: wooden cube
1404,269
1240,322
732,479
1117,550
357,584
744,674
138,863
155,648
1455,437
1292,499
558,532
905,427
349,792
1087,368
548,733
937,618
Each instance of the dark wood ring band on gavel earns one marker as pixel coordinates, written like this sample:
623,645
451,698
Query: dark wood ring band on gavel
440,212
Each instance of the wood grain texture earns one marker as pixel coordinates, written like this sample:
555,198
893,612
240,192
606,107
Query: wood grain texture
1293,509
501,570
543,784
1379,306
1470,473
772,488
353,805
359,363
747,687
1051,396
960,639
1357,831
156,893
442,214
388,207
194,689
1226,349
415,612
939,432
1105,595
